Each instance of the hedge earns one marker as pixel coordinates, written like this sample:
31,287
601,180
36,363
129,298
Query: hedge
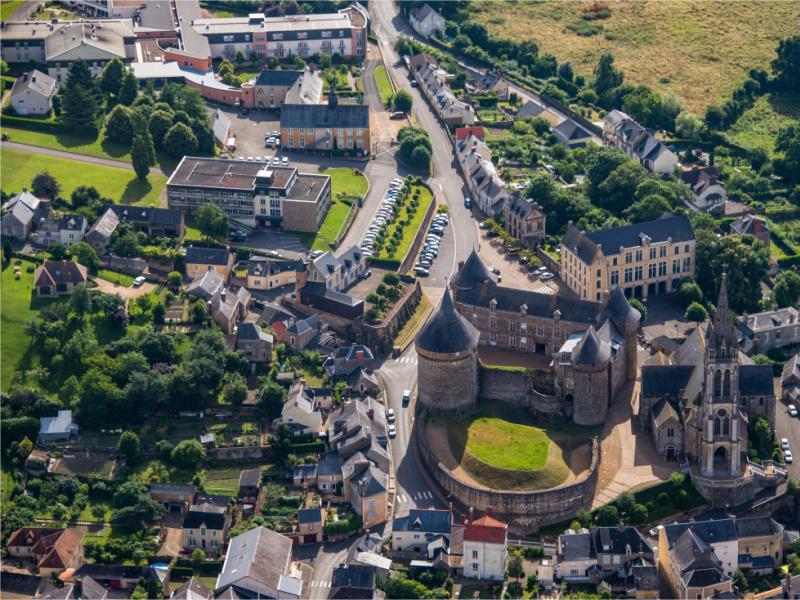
208,568
38,125
308,448
789,261
389,265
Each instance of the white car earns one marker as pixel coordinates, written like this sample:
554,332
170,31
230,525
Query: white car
792,410
787,457
138,281
392,431
284,161
390,415
784,444
547,276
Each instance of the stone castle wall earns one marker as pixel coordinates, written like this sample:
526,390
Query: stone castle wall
526,511
532,389
447,383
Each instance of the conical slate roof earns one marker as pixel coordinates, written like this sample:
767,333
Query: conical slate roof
619,309
591,350
473,273
447,331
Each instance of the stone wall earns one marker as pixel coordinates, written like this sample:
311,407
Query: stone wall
531,389
525,511
380,336
447,383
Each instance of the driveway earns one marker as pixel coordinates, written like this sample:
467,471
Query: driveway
126,293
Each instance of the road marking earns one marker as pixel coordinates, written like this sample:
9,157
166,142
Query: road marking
318,583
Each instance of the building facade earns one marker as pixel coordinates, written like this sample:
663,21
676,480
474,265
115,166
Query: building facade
525,220
32,93
485,547
327,127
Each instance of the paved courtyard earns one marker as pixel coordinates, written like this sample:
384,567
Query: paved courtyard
513,273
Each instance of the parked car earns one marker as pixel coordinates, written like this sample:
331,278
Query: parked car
495,270
284,161
467,202
784,444
398,114
792,410
540,271
390,415
787,457
138,281
406,397
392,430
547,276
421,271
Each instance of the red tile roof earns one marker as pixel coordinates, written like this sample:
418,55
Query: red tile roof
463,133
486,529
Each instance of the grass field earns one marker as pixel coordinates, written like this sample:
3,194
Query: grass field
343,181
18,168
9,6
410,231
759,125
507,445
384,86
115,277
700,50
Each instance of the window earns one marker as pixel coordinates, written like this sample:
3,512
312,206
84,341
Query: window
512,341
302,142
523,342
614,277
628,258
638,256
652,253
493,322
628,275
676,250
614,261
662,269
651,270
474,554
686,248
493,337
687,264
606,559
474,566
663,252
670,431
676,266
638,273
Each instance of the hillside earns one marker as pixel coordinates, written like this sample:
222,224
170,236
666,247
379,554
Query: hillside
700,50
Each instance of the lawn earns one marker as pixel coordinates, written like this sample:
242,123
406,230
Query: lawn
665,45
115,277
384,86
18,168
759,125
411,230
244,76
343,181
7,7
507,445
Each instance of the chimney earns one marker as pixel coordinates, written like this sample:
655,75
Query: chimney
471,515
489,511
24,77
359,356
460,264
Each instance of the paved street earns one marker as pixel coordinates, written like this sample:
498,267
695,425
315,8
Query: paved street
324,558
788,427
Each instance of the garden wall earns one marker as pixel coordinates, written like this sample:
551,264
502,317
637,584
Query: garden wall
525,511
380,336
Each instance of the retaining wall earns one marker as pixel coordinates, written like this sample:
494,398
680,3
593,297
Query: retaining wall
532,389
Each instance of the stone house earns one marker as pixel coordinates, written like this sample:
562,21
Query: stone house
622,131
310,525
576,558
21,215
249,485
363,382
691,565
432,82
485,547
99,236
272,88
491,83
757,227
343,361
419,531
774,328
760,544
426,21
176,498
354,582
32,93
302,333
255,343
532,110
485,185
616,548
267,274
366,488
228,308
58,277
205,527
151,220
51,550
525,220
571,134
199,260
790,379
300,413
337,272
71,229
707,188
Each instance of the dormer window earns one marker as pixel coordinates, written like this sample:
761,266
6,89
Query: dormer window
493,305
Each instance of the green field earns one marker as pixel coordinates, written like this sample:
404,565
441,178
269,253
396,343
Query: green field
343,181
9,6
507,445
384,86
115,277
411,230
665,45
18,168
759,125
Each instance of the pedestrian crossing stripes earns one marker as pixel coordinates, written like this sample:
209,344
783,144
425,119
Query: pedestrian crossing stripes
418,497
319,583
424,496
407,360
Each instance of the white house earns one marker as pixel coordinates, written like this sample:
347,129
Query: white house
32,93
622,131
299,411
426,21
485,547
576,557
338,272
71,229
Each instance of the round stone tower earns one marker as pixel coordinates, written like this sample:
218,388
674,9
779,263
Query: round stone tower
626,318
447,366
592,383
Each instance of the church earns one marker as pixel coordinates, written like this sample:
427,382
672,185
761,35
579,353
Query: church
698,403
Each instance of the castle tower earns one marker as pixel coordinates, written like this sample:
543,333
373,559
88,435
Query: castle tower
447,366
626,318
592,381
723,439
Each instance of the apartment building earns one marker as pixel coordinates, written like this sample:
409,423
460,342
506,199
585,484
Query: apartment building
325,127
644,259
337,272
252,193
343,33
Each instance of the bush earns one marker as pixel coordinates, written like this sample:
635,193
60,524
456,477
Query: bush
696,312
681,499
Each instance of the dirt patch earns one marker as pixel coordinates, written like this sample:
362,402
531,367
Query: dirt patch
173,542
123,292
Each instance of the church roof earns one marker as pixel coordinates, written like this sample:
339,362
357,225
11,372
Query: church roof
663,411
756,380
447,331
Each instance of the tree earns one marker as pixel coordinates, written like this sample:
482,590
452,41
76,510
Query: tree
638,305
128,89
643,105
180,141
620,186
159,313
762,437
80,300
98,404
8,250
676,480
715,117
198,557
144,512
188,453
240,58
696,312
403,101
212,221
129,447
79,102
670,109
648,208
45,185
788,143
689,292
85,255
141,152
606,76
639,514
270,398
111,78
324,60
199,312
281,442
600,164
174,280
119,127
235,391
688,125
625,502
608,516
514,567
787,65
787,288
25,448
160,122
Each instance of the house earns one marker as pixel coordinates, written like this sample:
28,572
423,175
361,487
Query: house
622,131
249,485
115,577
462,133
300,334
32,93
432,82
790,379
485,547
18,586
576,558
255,343
99,236
272,88
491,83
525,220
707,188
691,566
337,272
773,328
571,134
487,188
57,429
228,308
353,582
47,232
760,544
426,21
176,498
421,531
757,227
320,297
22,213
205,526
267,274
51,550
192,589
300,412
199,260
335,126
258,563
304,476
310,525
646,583
644,259
154,222
531,110
58,277
329,475
366,488
71,229
206,286
345,360
616,547
362,381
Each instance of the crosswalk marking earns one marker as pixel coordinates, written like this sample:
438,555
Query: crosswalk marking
405,360
318,583
426,495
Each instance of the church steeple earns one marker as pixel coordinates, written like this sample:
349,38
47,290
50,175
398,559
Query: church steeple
721,338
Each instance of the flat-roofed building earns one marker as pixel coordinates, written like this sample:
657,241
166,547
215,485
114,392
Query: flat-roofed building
252,193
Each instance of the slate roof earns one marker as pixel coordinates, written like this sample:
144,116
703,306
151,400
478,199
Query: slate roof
309,515
99,572
62,423
280,78
207,285
306,90
263,267
203,514
207,256
666,380
250,478
713,531
447,331
750,225
147,214
104,226
756,380
259,554
530,109
591,351
353,577
420,14
570,132
251,331
791,370
303,325
91,589
663,410
319,289
424,520
172,488
54,272
757,526
772,319
577,546
25,586
35,81
522,207
193,589
109,38
617,539
619,309
323,116
72,222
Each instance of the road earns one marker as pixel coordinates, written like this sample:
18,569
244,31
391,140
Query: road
324,558
787,427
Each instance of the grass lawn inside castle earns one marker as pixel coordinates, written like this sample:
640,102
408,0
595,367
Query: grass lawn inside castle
501,447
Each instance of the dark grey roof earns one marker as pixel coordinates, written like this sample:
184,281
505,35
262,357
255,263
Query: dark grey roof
665,380
251,331
195,518
615,540
351,352
676,228
756,380
577,546
261,267
250,478
193,589
720,530
172,488
522,207
757,526
473,273
420,14
748,224
91,589
280,78
645,578
424,521
619,309
353,576
35,81
569,131
324,117
705,577
447,331
19,583
207,256
146,214
591,350
319,289
530,109
99,572
260,554
72,222
309,515
579,244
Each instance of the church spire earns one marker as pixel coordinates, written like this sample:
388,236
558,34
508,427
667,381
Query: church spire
723,337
